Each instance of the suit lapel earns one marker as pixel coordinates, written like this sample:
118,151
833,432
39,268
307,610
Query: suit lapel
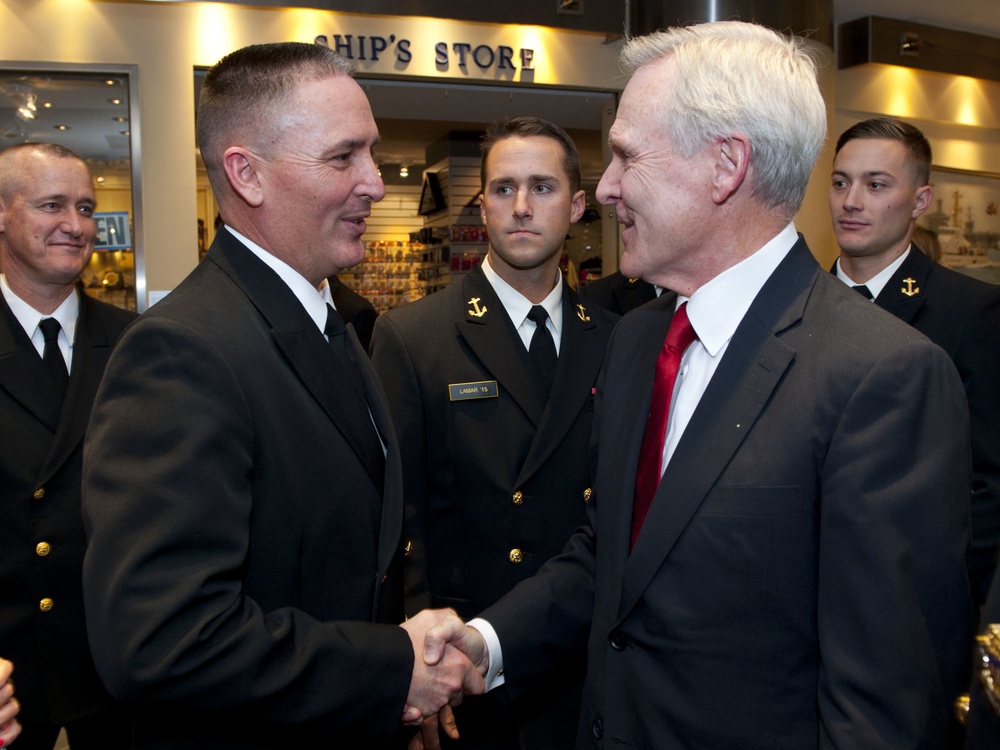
903,296
487,329
392,505
299,339
751,368
23,374
91,349
581,353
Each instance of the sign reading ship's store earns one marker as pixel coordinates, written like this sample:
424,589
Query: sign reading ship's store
483,56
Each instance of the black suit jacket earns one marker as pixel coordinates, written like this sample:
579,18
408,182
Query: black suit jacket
41,449
240,552
354,309
962,316
495,484
618,294
799,581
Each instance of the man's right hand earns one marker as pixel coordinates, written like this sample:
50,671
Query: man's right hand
443,679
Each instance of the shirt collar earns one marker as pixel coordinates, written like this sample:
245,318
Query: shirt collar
313,300
67,312
877,282
716,308
517,305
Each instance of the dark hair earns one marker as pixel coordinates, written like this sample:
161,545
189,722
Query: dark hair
241,91
523,127
918,150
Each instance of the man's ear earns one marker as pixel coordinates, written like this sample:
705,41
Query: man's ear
482,208
924,196
732,162
579,206
242,171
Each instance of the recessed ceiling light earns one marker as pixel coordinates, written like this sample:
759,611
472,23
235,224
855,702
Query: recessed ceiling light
61,127
119,119
115,101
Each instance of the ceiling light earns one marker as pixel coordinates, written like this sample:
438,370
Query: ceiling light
119,119
28,110
115,101
47,105
100,180
404,171
61,127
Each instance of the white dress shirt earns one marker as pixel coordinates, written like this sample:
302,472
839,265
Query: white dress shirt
29,318
518,306
877,282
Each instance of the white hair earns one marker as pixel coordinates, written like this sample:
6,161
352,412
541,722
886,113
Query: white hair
736,77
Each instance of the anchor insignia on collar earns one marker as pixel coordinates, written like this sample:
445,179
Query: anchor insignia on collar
477,311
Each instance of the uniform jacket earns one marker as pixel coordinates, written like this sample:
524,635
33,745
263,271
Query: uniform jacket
618,294
496,478
799,581
41,448
354,309
962,315
240,550
984,719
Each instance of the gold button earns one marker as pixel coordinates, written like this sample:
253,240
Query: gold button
42,549
518,498
45,604
515,556
408,549
587,494
39,493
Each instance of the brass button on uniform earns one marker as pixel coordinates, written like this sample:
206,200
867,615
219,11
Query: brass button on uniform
45,604
408,548
39,493
515,556
42,549
587,494
518,498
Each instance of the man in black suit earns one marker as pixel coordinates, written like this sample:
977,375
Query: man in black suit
242,485
495,448
797,578
880,186
47,234
617,293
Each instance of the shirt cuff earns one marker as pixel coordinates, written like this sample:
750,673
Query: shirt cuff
494,672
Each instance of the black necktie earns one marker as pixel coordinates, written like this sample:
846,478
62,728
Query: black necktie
863,290
51,355
542,349
336,332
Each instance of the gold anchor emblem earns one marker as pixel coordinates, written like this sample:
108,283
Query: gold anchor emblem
909,290
477,311
581,313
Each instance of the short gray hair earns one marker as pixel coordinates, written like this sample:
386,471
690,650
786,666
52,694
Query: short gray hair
736,77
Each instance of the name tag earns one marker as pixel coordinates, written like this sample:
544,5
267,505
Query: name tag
465,391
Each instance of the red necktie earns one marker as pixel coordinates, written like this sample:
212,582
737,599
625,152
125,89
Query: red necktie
680,335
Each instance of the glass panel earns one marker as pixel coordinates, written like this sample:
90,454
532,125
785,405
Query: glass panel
92,111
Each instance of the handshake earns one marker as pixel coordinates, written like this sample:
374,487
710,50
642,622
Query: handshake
450,660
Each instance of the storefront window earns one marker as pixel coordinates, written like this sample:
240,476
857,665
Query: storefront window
94,112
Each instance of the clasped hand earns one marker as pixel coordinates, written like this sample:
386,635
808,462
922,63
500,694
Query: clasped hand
449,660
